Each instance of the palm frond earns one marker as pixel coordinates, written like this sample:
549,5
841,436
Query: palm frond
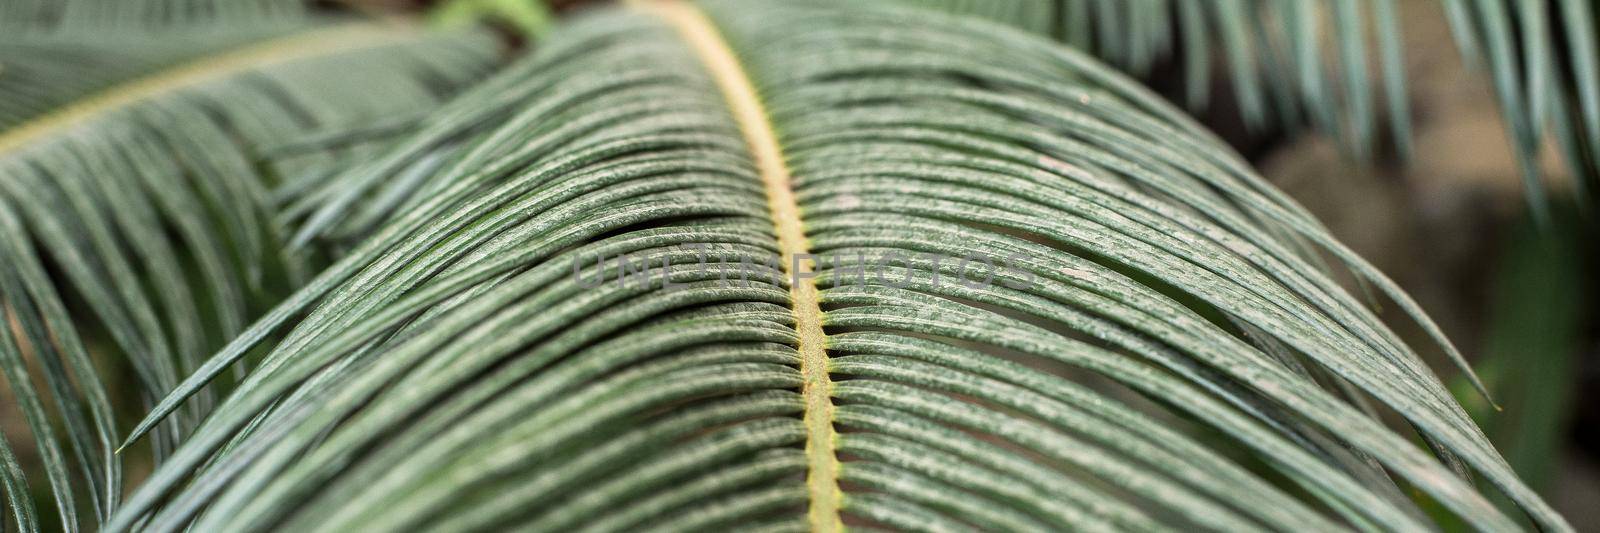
40,73
151,201
1297,63
36,16
1543,58
55,52
563,314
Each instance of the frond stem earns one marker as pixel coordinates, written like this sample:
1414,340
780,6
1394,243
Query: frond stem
822,473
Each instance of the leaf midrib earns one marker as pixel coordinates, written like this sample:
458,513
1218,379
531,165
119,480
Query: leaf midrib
822,471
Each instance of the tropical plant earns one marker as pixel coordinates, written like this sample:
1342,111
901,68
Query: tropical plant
1273,51
778,265
1542,57
150,201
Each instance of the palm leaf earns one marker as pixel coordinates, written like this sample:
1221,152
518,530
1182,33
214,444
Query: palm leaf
1157,347
1299,63
41,72
150,203
1542,59
33,16
1542,56
55,52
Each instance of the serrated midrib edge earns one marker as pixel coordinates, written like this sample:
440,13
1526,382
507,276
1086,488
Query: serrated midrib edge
822,464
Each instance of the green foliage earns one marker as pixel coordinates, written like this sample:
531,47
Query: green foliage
36,16
39,73
1162,350
1302,63
155,215
1535,342
529,18
1542,58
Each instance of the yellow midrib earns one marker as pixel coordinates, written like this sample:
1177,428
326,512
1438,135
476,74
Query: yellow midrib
822,473
303,45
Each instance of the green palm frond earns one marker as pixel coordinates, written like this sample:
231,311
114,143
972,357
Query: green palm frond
1308,62
54,52
1543,58
1301,63
151,203
39,73
35,16
559,311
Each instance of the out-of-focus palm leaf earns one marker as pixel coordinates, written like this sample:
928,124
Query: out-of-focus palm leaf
43,16
1535,342
1298,62
40,72
530,18
1543,57
53,52
1157,351
150,202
